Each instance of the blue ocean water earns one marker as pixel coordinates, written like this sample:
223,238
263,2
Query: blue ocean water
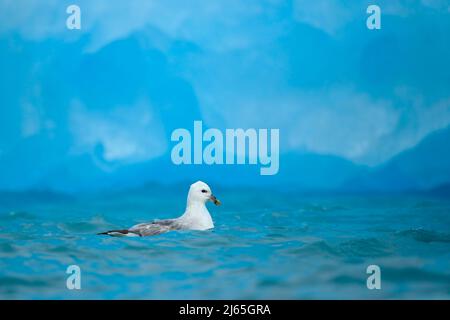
265,245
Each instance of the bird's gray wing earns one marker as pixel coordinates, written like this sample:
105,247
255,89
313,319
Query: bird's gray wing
156,227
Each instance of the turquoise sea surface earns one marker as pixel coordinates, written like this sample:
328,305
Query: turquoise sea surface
265,245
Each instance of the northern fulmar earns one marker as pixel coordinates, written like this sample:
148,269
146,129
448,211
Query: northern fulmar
195,217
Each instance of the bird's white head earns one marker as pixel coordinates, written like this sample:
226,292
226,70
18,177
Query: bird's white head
201,192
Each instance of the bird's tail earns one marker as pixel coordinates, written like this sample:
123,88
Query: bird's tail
119,233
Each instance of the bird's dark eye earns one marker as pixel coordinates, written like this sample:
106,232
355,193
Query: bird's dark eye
204,191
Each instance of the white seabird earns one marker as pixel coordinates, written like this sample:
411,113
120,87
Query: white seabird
195,217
